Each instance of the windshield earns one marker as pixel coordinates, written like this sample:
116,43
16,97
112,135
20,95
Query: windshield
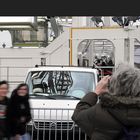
55,83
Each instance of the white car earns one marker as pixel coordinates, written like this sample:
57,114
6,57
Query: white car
55,92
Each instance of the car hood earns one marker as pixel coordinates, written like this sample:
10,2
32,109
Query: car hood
48,109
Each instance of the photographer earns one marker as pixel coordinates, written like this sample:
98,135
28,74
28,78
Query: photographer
117,114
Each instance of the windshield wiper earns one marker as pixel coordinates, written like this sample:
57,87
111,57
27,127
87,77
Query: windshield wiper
74,97
42,95
69,96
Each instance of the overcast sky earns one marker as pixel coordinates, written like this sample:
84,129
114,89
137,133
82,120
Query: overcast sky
5,36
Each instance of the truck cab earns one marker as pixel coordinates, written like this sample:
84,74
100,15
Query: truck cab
54,93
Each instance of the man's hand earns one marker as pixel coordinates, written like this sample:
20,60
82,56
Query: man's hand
102,86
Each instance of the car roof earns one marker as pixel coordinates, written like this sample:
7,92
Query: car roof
63,68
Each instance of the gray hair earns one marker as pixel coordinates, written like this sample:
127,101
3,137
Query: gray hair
125,81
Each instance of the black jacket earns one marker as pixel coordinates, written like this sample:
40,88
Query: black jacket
3,114
18,107
103,120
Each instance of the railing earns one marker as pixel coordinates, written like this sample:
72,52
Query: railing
54,124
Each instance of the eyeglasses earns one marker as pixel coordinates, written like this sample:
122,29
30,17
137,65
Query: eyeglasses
23,89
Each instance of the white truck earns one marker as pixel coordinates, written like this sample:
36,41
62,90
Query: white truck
54,93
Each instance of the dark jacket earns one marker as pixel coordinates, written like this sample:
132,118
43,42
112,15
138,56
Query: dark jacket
100,120
3,122
18,107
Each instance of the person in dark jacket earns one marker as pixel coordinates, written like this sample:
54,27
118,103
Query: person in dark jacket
3,110
115,103
18,112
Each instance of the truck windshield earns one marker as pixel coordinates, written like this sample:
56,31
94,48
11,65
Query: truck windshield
66,83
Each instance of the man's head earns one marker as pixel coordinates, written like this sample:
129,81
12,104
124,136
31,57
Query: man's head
125,81
3,89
